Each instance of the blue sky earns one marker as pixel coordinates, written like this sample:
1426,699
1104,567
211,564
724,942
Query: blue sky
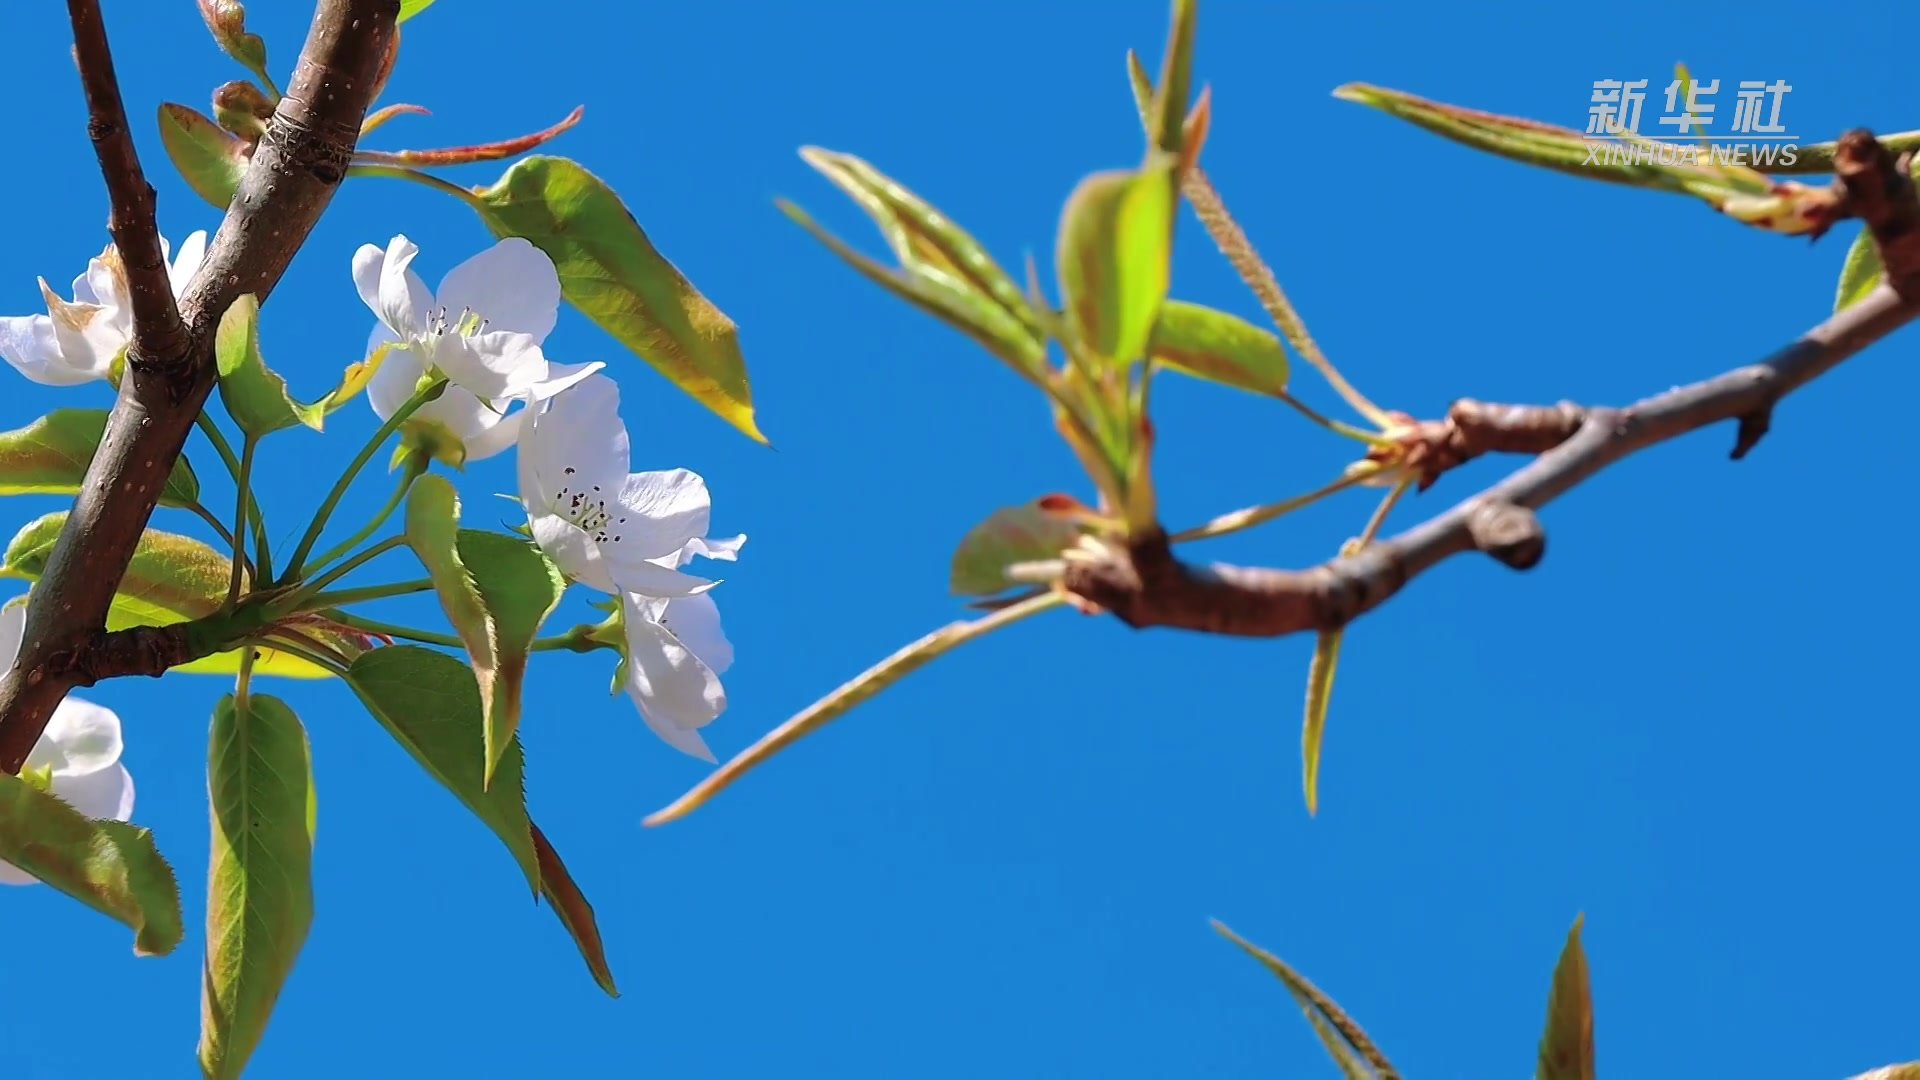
1688,722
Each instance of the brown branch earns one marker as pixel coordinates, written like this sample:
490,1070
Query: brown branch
1144,584
292,177
159,335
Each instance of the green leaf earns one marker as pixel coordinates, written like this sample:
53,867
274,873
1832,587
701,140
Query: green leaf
1737,190
254,394
110,866
433,530
50,457
1326,658
1219,347
1566,1049
410,8
575,914
1860,273
519,587
944,296
1115,258
172,579
259,875
1346,1042
1168,109
210,160
1015,534
612,273
429,703
842,701
929,244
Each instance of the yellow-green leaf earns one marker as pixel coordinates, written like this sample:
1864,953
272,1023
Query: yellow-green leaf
259,874
410,8
1219,347
612,273
1115,258
1860,273
210,160
1566,1049
842,701
946,296
50,457
1168,108
923,238
1326,658
1014,534
172,579
519,587
433,532
1347,1043
254,394
110,866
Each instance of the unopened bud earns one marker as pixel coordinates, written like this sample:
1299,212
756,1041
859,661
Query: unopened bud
227,21
243,109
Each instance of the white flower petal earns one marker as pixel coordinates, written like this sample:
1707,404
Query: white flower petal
402,300
660,511
186,264
649,578
107,794
563,377
674,691
13,875
499,435
695,620
511,285
106,279
571,550
13,628
89,335
83,738
394,382
727,550
492,365
578,450
29,343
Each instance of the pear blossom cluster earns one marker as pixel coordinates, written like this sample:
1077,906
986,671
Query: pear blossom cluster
630,535
627,534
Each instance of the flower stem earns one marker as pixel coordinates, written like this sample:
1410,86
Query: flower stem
301,598
420,397
225,450
415,466
345,597
578,639
243,498
199,510
1260,515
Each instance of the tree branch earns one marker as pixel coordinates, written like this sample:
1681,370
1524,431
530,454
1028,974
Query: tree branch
159,335
292,177
1144,584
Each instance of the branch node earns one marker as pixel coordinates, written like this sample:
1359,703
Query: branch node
1878,189
1509,532
1753,427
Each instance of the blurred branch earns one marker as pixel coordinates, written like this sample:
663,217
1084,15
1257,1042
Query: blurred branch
294,171
1144,584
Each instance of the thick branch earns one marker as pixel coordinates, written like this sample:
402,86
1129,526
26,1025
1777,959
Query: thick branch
1145,585
294,172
